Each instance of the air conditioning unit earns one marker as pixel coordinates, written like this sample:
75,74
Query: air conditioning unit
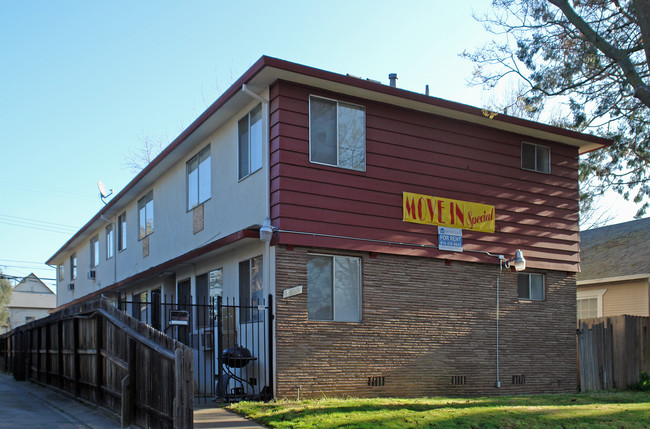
70,286
92,274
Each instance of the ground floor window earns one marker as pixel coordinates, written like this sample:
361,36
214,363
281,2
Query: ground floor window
251,289
334,288
531,286
587,308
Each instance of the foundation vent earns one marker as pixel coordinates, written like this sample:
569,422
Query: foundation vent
458,380
518,379
376,381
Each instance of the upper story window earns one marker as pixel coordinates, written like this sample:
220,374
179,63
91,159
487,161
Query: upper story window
199,178
535,157
110,241
250,142
334,288
94,252
73,266
530,286
337,133
61,272
145,215
121,232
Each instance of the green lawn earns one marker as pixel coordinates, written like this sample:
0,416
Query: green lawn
593,410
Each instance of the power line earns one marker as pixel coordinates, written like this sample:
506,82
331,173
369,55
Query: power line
37,221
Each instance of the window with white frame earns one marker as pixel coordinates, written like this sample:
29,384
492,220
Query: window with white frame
121,232
334,288
61,272
251,289
590,303
337,133
531,286
250,142
110,241
199,178
94,252
145,215
535,157
73,266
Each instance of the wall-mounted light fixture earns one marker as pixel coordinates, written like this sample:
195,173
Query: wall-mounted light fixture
266,231
518,260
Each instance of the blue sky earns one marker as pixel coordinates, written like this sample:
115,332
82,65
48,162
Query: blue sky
82,83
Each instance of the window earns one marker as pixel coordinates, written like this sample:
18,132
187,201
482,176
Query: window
61,272
94,252
145,215
531,286
251,289
250,142
215,283
73,266
590,303
334,288
535,157
337,134
199,181
587,308
110,241
29,319
121,232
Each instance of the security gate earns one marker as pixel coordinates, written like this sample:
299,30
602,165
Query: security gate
232,341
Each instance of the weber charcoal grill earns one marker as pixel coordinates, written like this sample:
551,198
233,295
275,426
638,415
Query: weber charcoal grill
237,357
232,384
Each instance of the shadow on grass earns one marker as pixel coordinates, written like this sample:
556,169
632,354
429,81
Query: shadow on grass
621,409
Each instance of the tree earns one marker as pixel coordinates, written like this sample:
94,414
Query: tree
5,296
141,156
593,58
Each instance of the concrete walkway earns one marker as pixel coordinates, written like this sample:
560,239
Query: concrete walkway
207,417
24,404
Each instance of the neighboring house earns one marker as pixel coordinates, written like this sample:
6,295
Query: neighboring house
615,267
354,177
30,300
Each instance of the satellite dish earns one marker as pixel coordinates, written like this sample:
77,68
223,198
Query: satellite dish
102,191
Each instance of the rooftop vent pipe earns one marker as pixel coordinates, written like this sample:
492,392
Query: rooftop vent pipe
393,79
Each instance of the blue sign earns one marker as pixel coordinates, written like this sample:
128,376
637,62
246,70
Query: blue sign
450,239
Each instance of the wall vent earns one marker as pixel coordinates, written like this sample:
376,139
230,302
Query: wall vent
376,381
458,380
518,379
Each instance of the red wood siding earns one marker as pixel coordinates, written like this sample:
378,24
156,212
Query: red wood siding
410,151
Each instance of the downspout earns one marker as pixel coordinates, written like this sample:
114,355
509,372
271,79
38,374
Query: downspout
267,208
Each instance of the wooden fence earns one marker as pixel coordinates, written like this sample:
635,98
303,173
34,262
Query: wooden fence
103,356
613,351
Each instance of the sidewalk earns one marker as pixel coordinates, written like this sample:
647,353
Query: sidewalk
29,405
207,417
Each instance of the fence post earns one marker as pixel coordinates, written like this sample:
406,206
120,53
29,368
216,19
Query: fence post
221,389
270,346
184,385
99,367
76,366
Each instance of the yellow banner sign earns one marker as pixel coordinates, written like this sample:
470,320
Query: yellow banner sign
429,210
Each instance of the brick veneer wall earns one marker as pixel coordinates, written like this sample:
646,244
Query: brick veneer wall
424,323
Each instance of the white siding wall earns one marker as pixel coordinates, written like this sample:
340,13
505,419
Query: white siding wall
233,206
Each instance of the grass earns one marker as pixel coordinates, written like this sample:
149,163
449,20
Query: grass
592,410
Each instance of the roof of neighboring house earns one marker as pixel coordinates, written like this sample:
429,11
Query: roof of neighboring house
268,70
31,292
614,251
